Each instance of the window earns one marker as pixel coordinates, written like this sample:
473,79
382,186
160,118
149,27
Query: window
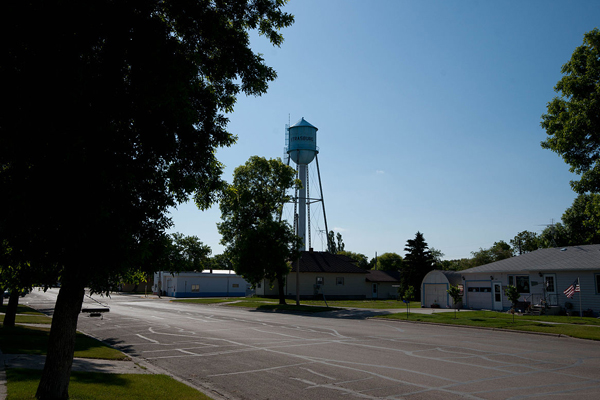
597,276
235,285
339,281
479,289
320,280
522,283
195,288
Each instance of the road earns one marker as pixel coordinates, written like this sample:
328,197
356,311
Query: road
236,353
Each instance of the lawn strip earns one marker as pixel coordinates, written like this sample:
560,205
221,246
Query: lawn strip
487,319
34,340
23,383
207,301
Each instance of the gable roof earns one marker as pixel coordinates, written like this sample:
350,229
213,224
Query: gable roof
572,258
320,261
382,276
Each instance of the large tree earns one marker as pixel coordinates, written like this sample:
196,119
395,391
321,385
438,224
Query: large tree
498,251
389,262
573,119
418,261
259,244
332,246
361,260
582,219
113,111
187,253
525,242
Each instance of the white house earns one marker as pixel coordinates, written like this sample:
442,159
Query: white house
541,278
215,283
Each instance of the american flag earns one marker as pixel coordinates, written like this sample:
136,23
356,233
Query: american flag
570,291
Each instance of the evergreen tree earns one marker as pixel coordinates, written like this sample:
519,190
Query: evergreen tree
418,261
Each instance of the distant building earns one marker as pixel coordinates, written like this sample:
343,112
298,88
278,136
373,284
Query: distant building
215,283
334,276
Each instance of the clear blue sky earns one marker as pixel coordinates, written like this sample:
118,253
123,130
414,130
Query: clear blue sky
428,115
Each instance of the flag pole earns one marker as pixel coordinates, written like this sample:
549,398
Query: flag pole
580,312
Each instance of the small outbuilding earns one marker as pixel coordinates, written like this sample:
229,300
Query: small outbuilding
434,289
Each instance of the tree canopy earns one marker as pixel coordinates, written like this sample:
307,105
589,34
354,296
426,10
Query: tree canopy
361,260
115,112
334,247
525,242
259,244
389,262
573,118
500,250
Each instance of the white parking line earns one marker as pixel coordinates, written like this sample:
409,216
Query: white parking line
148,339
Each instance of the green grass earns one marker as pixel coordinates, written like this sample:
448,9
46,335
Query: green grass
26,315
583,328
34,340
373,304
266,303
211,300
21,310
273,305
23,383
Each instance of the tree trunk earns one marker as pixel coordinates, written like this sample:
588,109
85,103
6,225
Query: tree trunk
11,309
54,384
280,283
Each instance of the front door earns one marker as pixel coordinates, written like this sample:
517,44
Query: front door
497,293
550,288
374,290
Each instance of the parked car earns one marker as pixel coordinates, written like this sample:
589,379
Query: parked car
7,293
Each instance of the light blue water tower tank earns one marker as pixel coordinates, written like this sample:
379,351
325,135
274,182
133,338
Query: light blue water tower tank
302,142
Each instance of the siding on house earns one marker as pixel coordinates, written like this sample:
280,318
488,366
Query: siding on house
329,267
546,272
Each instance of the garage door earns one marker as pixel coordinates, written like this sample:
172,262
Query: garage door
479,296
435,293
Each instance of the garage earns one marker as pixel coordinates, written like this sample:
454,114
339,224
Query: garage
436,294
479,295
434,288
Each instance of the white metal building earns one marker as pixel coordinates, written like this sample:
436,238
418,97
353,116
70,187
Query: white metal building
215,283
434,288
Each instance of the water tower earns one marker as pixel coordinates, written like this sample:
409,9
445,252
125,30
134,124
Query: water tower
301,147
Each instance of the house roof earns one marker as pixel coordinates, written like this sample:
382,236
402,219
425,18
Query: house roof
318,261
572,258
454,277
382,276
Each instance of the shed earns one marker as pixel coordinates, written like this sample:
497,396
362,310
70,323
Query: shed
434,288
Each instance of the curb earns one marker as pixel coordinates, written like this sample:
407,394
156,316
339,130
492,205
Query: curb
3,382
